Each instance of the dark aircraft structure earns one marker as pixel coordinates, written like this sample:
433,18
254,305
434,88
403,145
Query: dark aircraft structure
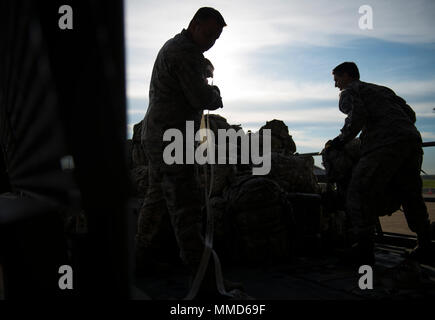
63,132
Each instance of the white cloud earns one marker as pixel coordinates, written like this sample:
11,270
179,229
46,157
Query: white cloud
412,88
305,140
428,135
297,116
136,111
423,109
138,88
253,25
245,112
262,89
130,130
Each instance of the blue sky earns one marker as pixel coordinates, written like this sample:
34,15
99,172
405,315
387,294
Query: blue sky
274,59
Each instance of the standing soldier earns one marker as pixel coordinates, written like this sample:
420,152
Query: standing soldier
178,93
391,151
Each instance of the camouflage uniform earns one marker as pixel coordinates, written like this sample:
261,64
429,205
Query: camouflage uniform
391,154
178,93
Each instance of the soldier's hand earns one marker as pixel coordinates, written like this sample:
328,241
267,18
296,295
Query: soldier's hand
220,104
327,144
335,143
216,104
217,89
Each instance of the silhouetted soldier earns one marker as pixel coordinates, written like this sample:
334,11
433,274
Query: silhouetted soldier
178,93
391,151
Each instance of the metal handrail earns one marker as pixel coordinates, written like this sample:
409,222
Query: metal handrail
314,154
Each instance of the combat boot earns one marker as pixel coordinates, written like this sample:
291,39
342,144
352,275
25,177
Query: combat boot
424,252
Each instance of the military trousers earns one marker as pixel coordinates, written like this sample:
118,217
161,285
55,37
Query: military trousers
395,166
173,190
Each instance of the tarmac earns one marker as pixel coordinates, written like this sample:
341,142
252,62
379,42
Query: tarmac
396,223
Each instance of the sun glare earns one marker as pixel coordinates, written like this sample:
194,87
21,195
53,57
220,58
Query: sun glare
228,68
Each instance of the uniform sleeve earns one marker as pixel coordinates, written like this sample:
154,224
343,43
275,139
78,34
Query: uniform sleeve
406,108
352,105
199,94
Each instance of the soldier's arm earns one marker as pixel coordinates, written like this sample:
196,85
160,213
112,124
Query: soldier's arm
351,104
190,74
405,107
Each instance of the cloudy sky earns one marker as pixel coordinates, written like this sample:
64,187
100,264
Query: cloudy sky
274,59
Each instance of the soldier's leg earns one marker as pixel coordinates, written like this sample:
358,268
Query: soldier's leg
151,217
366,195
183,198
413,204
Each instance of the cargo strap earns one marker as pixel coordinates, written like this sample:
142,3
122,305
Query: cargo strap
208,245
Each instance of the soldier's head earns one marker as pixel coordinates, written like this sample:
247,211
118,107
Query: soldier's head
206,27
344,74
